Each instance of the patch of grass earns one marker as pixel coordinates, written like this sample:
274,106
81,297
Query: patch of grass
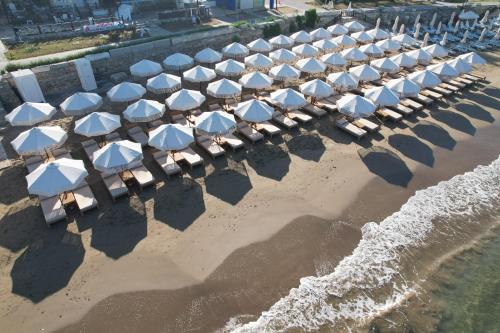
238,24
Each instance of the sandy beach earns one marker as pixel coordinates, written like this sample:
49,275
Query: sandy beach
232,239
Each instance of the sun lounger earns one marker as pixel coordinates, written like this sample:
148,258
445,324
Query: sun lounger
33,162
166,163
387,113
137,135
346,126
213,107
84,197
53,209
155,123
115,185
208,144
90,147
113,137
267,128
232,141
299,116
441,90
463,80
248,132
401,109
411,104
191,157
449,87
247,97
286,122
431,94
422,99
327,105
65,155
231,103
59,151
181,120
456,83
472,77
314,110
142,175
366,124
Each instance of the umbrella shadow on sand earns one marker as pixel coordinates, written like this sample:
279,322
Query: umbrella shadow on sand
386,164
435,134
307,146
412,147
455,121
269,160
229,184
15,177
475,111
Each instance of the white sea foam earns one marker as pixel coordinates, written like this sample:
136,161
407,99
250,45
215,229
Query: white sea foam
345,294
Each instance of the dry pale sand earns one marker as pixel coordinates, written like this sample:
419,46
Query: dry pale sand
233,238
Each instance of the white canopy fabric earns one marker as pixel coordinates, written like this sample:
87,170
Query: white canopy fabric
404,60
338,29
468,15
301,37
288,99
208,56
342,81
364,73
171,137
362,37
283,56
389,45
117,156
385,65
333,60
404,87
258,61
378,34
405,39
472,58
126,92
443,70
215,123
355,106
281,41
56,177
425,79
97,124
144,110
81,103
311,65
38,140
353,54
256,80
326,45
145,68
320,33
229,67
185,99
254,111
178,62
260,45
436,50
354,26
284,72
164,83
316,88
30,113
235,50
344,41
199,74
371,50
460,65
305,50
224,88
382,96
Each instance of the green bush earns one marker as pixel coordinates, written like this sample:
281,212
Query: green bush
292,28
311,18
300,22
235,39
271,30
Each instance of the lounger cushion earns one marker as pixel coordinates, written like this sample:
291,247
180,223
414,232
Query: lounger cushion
53,209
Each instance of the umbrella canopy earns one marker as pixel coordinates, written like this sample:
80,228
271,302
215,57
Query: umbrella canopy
338,29
185,99
144,110
56,177
254,111
97,124
281,41
362,37
320,33
117,156
333,60
445,39
178,62
472,58
215,123
342,81
126,92
404,87
256,80
382,96
404,60
164,83
229,67
224,89
260,45
302,37
436,50
353,54
460,65
443,70
378,34
371,50
311,65
389,45
364,73
235,50
288,99
405,39
145,68
385,65
468,15
354,26
355,106
316,88
421,56
258,61
425,79
305,50
199,74
171,137
344,41
81,103
38,140
208,56
326,45
283,55
284,72
29,113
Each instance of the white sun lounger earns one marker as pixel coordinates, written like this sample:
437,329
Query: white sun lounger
155,123
411,104
456,83
53,209
208,144
248,132
84,197
166,163
366,124
115,185
137,135
422,99
284,121
142,175
441,90
113,137
472,77
59,152
299,116
346,126
401,109
267,128
32,166
327,105
181,120
232,141
387,113
191,157
213,107
448,87
431,94
314,110
463,80
90,147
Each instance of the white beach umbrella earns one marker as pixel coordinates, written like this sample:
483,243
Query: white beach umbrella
144,110
215,123
320,33
288,99
452,18
316,88
436,50
385,65
377,24
389,45
311,65
81,103
445,39
126,92
371,50
224,88
342,81
344,41
426,39
284,72
460,65
305,50
168,137
199,74
301,37
29,113
403,87
378,34
326,45
145,68
433,20
281,41
208,56
395,25
364,73
354,26
353,54
484,20
402,29
185,99
39,140
417,20
355,106
404,60
362,37
283,56
258,61
178,62
229,67
254,111
338,29
333,60
417,31
472,58
421,56
117,156
425,79
256,80
382,96
56,177
439,27
443,70
457,27
260,45
483,34
164,83
404,39
97,124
